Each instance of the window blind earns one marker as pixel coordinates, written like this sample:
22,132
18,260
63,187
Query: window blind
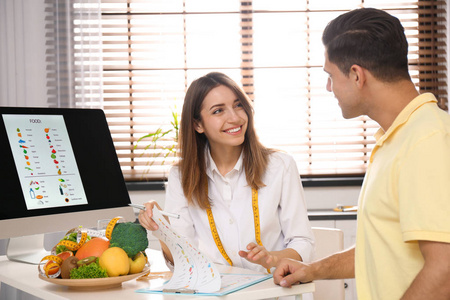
153,50
73,53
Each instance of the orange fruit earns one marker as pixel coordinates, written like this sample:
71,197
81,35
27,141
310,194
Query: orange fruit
95,247
65,254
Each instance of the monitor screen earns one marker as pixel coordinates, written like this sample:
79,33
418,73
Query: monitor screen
59,170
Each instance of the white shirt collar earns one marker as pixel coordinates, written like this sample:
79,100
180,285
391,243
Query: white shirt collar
211,167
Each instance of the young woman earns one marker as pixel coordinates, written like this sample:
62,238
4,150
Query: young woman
240,203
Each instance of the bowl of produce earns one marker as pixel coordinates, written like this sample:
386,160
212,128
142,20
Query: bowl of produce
89,259
95,283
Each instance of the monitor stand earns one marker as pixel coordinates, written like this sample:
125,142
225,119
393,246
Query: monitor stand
26,249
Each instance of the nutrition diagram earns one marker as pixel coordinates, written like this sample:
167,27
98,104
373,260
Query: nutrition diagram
44,160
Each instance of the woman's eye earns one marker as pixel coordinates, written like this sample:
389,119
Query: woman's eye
217,111
239,104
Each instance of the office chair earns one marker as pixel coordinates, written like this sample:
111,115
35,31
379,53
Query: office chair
328,241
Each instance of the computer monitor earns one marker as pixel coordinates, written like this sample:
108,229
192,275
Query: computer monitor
58,170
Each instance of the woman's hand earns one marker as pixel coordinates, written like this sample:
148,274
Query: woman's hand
145,217
146,220
259,255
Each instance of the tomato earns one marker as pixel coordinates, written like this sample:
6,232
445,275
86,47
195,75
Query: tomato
94,247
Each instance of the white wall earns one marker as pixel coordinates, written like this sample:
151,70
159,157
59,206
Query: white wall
316,197
22,53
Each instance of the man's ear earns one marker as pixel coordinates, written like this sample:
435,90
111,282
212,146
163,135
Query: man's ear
198,126
358,73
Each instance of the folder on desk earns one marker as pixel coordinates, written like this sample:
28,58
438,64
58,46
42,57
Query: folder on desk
230,283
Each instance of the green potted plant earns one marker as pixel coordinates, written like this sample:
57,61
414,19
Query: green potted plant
161,143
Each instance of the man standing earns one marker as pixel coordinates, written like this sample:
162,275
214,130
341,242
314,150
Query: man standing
402,246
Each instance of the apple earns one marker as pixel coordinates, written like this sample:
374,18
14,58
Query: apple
138,262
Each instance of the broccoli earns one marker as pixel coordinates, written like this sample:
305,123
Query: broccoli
92,270
129,236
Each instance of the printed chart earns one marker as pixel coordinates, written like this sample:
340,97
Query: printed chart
44,160
193,271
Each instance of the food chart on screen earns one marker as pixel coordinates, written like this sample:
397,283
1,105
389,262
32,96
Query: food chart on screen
45,161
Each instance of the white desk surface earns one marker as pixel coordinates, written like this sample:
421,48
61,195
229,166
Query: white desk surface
25,277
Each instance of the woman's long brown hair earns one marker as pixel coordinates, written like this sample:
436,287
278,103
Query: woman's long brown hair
192,163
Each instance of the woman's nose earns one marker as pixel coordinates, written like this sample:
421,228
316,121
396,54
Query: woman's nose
233,116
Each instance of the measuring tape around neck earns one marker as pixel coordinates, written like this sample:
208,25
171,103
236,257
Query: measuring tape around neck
256,216
215,234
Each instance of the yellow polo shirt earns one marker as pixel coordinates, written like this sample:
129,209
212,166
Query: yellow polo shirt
405,197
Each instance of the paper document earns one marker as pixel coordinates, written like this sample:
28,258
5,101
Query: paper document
194,272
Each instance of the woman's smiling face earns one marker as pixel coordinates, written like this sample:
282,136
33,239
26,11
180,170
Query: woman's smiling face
222,118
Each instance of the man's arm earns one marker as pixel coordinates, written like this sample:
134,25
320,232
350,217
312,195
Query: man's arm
432,282
337,266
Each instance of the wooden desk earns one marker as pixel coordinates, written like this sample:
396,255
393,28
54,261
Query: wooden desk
25,277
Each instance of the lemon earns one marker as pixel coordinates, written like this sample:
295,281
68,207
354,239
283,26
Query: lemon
115,261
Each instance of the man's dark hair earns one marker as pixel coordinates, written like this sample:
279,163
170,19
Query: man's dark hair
370,38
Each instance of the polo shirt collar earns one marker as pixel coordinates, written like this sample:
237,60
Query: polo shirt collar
381,135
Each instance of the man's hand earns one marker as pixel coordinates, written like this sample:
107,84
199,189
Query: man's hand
337,266
291,272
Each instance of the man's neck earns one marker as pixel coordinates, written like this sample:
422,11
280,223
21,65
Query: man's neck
388,100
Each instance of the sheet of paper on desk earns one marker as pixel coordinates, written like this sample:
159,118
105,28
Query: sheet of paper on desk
193,270
229,283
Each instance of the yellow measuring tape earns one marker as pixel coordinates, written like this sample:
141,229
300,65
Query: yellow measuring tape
216,237
54,262
110,227
71,245
256,216
215,234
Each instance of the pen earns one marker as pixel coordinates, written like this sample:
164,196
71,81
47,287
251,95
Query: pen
142,207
